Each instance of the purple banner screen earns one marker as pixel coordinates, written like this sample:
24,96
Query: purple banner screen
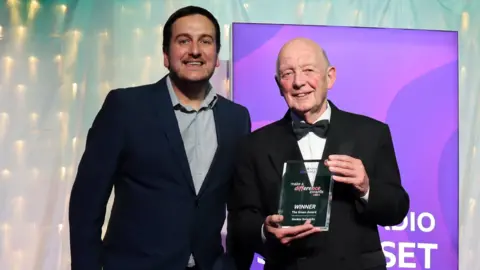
406,78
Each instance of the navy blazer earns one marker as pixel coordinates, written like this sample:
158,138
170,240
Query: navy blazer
157,219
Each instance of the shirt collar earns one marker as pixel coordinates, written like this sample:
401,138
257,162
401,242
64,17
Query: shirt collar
209,101
325,115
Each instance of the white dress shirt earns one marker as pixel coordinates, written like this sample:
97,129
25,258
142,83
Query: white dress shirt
312,146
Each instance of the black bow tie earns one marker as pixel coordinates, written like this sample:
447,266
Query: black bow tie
320,129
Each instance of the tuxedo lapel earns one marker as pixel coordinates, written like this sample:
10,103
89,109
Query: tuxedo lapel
164,114
339,139
284,145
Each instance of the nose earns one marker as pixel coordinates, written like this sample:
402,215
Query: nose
194,50
298,81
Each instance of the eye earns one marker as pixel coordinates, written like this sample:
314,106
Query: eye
183,41
286,74
207,41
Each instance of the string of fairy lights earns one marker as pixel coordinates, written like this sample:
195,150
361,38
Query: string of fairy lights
39,136
46,92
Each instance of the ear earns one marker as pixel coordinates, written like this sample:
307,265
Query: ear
217,64
331,77
166,63
278,84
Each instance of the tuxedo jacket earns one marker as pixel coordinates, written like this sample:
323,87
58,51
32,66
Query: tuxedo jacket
157,220
352,241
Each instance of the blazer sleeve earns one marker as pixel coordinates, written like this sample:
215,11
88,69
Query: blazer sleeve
93,184
244,206
388,202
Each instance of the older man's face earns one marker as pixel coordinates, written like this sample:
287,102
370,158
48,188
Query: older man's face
303,77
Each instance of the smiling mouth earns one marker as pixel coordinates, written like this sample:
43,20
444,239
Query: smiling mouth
302,95
193,63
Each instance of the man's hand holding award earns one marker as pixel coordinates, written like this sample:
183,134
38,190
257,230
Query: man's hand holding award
306,195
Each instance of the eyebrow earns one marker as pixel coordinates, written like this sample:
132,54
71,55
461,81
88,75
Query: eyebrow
287,67
190,36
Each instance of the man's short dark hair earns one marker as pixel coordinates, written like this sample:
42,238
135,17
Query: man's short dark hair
188,11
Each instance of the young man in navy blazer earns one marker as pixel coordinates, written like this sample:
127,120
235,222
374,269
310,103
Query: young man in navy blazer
167,149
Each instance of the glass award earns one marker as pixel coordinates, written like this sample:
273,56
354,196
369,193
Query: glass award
306,194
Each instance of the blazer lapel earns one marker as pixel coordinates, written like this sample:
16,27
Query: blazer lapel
164,114
222,122
285,145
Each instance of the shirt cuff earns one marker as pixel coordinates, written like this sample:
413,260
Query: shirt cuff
364,197
263,234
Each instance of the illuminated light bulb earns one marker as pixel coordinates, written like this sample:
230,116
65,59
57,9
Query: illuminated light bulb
300,9
226,84
63,8
19,144
34,119
245,6
74,90
20,150
1,32
20,37
21,88
18,259
63,173
465,20
74,143
8,60
472,203
60,228
226,30
6,227
5,173
58,60
3,124
12,3
34,7
15,12
103,34
21,93
474,151
137,31
33,66
104,88
148,10
159,30
21,30
8,64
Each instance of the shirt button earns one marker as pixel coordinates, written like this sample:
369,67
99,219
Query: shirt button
197,202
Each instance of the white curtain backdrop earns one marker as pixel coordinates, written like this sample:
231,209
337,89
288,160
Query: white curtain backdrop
58,59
